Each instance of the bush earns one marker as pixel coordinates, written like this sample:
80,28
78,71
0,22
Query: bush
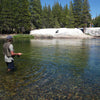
25,36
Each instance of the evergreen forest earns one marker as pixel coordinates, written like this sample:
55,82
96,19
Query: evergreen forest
21,16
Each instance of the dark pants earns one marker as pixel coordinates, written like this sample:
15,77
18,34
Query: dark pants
10,65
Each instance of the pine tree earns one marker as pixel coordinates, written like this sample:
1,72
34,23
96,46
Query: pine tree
66,16
0,5
57,14
71,16
15,16
6,16
77,10
50,18
36,10
0,16
86,17
56,23
22,16
96,21
45,17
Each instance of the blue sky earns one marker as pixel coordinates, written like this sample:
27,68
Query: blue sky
94,5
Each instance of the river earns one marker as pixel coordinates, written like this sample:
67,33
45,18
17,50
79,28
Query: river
56,69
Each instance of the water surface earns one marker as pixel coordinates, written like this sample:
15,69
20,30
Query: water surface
66,69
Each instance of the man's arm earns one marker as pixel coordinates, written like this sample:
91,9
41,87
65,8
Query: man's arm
12,51
14,54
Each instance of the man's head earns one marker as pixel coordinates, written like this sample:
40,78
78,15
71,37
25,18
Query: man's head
9,38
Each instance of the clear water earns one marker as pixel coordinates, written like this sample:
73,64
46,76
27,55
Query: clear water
52,70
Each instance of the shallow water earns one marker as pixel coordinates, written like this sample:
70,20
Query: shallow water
52,70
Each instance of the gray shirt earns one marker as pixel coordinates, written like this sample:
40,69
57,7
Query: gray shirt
9,59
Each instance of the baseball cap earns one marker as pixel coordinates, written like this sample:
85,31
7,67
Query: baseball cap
9,37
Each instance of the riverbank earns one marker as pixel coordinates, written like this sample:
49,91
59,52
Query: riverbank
48,37
57,33
16,36
3,36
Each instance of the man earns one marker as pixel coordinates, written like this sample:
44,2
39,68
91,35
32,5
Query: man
9,53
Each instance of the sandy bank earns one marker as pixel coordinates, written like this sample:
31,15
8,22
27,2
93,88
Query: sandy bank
3,36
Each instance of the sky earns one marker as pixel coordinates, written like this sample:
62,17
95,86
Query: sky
94,5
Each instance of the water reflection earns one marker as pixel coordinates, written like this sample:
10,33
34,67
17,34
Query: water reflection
65,53
53,69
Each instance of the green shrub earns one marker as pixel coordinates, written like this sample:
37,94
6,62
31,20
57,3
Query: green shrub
23,36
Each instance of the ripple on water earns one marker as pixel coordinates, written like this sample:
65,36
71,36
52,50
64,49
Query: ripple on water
55,71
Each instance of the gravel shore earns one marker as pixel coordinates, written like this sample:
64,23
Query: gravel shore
3,36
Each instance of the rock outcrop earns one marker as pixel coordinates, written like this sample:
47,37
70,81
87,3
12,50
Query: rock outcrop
59,33
95,31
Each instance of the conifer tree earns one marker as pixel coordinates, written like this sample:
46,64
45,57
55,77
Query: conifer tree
66,16
50,18
36,13
0,5
86,17
0,16
77,10
22,16
71,16
6,16
96,21
57,14
15,16
45,17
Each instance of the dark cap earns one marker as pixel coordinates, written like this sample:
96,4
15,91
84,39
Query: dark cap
9,37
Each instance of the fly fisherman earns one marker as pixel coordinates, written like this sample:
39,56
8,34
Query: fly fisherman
9,53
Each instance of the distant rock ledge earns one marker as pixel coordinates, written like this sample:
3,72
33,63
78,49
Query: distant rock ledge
59,33
94,31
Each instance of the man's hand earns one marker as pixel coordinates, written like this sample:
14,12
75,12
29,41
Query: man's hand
19,54
15,54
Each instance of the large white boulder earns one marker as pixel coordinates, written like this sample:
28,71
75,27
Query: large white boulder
95,31
59,33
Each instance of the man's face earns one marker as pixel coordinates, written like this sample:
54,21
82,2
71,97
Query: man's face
10,40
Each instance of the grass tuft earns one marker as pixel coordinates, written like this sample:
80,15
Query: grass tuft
23,36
